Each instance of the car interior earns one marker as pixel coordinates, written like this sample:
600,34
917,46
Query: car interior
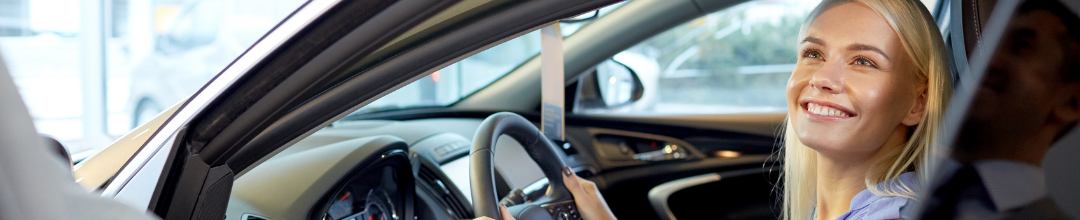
321,154
729,157
318,176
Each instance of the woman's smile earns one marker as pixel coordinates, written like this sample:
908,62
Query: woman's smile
825,111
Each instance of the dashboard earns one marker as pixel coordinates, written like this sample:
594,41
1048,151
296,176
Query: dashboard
328,174
363,197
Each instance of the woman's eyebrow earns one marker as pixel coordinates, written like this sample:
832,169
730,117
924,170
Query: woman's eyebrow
814,40
858,47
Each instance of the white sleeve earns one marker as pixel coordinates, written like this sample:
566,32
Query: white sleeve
34,183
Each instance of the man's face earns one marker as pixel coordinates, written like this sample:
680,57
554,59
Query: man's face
1022,84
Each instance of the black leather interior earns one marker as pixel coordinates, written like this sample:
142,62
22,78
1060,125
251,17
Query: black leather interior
974,14
531,212
750,193
542,151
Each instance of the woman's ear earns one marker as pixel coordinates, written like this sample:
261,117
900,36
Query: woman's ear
915,114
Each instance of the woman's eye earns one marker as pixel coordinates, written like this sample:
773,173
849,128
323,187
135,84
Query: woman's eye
862,61
812,54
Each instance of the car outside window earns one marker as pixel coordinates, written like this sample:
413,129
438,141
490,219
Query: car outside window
733,61
736,60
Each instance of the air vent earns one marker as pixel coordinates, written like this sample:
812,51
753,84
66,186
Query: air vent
252,217
445,192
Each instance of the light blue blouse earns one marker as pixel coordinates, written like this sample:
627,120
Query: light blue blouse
868,206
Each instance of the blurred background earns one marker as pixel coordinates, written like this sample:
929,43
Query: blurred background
89,70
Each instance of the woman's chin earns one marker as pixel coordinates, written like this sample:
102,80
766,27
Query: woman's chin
831,126
825,140
837,147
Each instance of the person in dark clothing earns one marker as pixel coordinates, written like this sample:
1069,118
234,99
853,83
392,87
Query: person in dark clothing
1028,99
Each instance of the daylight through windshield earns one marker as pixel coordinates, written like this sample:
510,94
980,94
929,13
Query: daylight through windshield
452,83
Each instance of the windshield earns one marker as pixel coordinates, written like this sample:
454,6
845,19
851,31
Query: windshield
459,80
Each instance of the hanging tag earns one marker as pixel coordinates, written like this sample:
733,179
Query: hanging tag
551,82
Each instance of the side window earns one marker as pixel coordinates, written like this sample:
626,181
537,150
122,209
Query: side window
736,60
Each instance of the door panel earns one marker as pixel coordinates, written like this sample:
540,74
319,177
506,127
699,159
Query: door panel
746,160
740,194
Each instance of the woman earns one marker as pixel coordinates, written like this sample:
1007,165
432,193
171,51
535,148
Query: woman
864,103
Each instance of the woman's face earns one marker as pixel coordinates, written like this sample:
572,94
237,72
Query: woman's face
854,87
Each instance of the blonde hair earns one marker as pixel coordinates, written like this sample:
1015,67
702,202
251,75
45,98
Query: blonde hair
922,42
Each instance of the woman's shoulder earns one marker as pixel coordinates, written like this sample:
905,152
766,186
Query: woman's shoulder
867,205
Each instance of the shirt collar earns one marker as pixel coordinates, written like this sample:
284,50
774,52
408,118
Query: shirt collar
865,197
1011,184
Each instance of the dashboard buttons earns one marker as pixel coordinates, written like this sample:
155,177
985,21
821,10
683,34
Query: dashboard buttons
447,150
565,210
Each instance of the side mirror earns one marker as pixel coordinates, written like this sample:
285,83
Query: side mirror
609,85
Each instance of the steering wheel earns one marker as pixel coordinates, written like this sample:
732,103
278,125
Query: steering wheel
557,203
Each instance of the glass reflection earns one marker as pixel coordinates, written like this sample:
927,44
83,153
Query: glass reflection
1027,100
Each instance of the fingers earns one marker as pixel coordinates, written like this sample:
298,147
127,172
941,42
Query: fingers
502,212
587,186
505,213
571,181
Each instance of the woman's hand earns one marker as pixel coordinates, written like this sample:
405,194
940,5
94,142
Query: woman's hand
589,202
502,211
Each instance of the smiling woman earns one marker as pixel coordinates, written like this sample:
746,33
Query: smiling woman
864,103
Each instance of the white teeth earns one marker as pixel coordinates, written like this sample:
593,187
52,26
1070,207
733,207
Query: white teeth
824,110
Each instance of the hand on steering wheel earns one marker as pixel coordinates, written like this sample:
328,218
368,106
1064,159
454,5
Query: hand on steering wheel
563,187
502,212
588,199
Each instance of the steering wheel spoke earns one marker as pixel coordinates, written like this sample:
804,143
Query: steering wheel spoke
562,210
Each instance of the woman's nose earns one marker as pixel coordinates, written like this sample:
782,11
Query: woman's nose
829,78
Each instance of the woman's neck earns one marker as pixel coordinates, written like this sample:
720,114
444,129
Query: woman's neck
838,182
841,176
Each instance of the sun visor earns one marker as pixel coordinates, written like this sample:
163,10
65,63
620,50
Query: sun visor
552,82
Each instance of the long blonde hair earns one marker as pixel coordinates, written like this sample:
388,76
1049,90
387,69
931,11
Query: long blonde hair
922,42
